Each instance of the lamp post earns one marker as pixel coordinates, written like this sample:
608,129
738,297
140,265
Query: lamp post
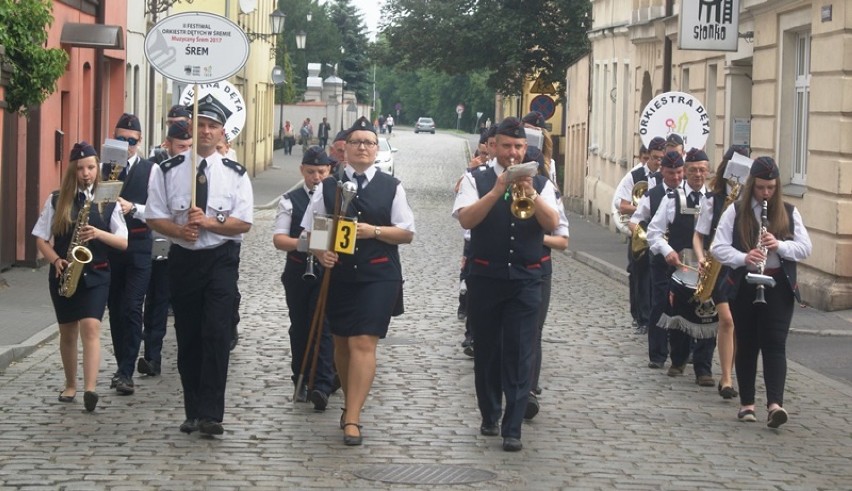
342,86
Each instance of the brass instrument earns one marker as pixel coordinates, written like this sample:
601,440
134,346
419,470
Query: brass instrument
78,255
710,267
761,279
639,238
523,207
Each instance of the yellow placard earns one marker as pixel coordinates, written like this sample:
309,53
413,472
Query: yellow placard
344,242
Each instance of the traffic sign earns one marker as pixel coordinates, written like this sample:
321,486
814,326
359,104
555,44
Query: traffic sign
196,47
543,104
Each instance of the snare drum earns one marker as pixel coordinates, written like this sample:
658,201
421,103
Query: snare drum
160,249
698,320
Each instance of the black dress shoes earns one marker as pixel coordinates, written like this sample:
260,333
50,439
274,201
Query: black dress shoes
512,444
64,398
352,440
489,429
210,428
148,367
532,407
90,400
320,399
189,426
124,386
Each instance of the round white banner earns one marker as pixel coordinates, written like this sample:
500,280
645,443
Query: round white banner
675,112
196,47
229,96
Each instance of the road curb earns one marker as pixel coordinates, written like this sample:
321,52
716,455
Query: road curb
610,270
16,352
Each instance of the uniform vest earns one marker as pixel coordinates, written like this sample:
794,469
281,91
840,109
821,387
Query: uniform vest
682,227
96,272
639,175
297,261
789,267
503,246
718,208
373,260
655,197
135,190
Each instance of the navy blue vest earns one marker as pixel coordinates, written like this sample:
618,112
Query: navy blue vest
373,260
682,227
718,208
135,190
655,196
639,175
789,267
96,272
503,246
296,261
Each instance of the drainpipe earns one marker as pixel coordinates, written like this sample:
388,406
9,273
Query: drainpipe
667,51
100,19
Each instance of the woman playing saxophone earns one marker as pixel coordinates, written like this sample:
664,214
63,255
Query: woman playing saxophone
762,328
722,195
62,222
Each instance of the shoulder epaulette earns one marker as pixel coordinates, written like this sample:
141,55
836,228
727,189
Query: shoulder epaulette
235,166
171,163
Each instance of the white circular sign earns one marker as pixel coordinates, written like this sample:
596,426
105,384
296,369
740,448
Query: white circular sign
675,112
229,96
460,109
196,47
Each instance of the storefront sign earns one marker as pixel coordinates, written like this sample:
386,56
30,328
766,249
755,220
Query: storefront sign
709,25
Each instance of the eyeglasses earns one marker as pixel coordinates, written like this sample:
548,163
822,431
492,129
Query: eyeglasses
129,139
366,143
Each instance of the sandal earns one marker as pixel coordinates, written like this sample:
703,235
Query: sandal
342,417
727,392
352,440
746,416
776,417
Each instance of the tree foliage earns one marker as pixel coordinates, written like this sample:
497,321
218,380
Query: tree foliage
513,40
426,92
34,68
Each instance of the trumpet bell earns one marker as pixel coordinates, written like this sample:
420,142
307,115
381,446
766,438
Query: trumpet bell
523,208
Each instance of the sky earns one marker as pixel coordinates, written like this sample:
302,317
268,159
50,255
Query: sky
371,10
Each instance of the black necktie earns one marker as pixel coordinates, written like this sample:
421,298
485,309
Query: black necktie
694,199
201,187
81,197
361,178
655,176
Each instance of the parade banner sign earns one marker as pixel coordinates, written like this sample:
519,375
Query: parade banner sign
709,25
229,96
675,112
196,47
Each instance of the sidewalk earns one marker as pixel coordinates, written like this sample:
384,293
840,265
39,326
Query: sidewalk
28,319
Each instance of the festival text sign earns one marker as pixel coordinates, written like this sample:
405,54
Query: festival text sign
229,96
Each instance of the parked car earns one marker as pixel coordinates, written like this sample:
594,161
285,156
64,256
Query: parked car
425,124
384,156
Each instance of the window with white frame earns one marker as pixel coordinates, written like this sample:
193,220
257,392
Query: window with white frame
801,96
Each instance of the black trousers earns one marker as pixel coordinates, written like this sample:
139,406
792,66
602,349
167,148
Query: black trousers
203,288
503,316
130,275
302,299
658,338
639,274
546,283
156,310
762,329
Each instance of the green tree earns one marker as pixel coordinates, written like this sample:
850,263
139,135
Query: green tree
35,69
512,40
355,65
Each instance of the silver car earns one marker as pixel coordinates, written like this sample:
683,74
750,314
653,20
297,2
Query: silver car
384,156
425,124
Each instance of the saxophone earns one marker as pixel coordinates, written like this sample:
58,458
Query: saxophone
78,255
710,267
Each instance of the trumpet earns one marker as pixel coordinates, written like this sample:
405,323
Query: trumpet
523,206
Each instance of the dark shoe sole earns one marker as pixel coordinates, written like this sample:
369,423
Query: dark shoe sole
66,399
90,400
319,399
489,430
125,390
145,367
532,408
189,426
656,365
728,392
777,417
512,445
210,428
352,441
746,416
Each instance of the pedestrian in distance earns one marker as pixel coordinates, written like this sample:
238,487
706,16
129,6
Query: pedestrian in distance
70,220
765,236
504,280
203,261
366,286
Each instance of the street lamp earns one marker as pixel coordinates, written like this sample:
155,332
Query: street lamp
300,40
276,25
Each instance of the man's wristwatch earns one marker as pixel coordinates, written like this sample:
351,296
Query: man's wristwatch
220,217
377,231
132,211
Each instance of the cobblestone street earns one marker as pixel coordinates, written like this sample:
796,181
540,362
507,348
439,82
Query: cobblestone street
606,421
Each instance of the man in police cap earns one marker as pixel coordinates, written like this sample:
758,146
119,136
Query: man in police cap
155,317
204,261
301,287
504,283
130,270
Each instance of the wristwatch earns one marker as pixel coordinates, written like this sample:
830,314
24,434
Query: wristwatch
377,231
220,217
132,211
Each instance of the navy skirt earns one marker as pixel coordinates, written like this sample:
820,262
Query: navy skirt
354,309
85,303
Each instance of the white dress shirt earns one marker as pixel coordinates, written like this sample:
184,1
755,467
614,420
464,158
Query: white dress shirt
663,218
401,214
468,194
798,249
284,217
228,192
117,226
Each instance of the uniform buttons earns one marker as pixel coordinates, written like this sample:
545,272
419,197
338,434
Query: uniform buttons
513,224
355,267
510,265
511,251
512,238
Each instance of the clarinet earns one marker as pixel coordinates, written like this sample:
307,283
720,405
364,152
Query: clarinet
764,222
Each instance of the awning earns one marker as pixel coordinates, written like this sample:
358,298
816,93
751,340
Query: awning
92,36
